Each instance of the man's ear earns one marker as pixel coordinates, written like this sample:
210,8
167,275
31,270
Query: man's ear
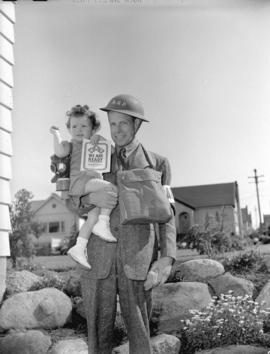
137,124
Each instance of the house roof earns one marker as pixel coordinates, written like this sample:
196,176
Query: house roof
38,204
206,195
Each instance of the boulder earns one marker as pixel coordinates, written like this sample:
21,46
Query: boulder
30,342
45,308
161,344
197,270
172,302
223,283
235,349
264,296
70,346
21,281
165,344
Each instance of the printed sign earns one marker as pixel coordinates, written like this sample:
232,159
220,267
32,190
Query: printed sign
96,156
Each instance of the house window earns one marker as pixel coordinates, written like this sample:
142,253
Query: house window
54,227
62,226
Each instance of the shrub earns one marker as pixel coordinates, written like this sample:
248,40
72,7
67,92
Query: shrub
227,320
243,262
239,243
43,249
49,280
210,242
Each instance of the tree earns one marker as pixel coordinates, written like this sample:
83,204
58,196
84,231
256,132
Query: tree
23,226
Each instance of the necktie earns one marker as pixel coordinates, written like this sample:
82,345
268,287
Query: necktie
123,157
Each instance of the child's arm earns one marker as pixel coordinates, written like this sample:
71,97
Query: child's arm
61,148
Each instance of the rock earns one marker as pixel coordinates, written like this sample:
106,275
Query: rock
264,296
172,302
161,344
30,342
223,283
165,344
52,279
21,281
235,349
70,346
45,308
197,270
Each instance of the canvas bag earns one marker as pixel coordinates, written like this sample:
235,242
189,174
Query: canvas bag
142,199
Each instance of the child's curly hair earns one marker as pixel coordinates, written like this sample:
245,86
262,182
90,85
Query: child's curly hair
81,111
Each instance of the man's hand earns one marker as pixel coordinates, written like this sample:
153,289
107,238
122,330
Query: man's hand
104,198
95,139
158,273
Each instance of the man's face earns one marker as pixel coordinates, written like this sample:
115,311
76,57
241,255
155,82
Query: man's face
123,128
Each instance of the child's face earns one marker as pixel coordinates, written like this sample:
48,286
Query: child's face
80,127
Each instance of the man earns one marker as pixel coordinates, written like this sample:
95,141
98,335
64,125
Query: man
127,267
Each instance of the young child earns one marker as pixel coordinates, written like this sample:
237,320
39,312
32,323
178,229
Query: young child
83,123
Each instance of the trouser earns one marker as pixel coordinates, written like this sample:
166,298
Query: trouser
100,305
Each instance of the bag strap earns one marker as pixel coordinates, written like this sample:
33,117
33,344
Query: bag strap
148,157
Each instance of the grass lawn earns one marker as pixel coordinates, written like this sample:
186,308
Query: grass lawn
58,263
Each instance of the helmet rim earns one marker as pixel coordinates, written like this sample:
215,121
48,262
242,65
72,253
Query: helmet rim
127,112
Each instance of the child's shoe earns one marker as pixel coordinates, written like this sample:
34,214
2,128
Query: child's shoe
102,229
79,255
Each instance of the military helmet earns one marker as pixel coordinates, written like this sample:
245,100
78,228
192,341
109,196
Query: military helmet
126,104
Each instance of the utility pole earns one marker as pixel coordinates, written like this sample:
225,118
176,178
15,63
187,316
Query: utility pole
256,181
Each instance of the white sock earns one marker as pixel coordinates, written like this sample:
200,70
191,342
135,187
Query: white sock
105,218
81,242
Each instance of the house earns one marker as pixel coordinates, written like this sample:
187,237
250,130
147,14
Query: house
266,222
208,204
56,218
247,221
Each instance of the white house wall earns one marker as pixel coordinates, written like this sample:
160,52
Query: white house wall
225,212
179,209
7,20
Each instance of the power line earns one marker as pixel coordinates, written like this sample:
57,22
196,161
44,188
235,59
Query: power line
256,181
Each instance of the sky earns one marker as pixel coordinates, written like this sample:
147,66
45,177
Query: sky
201,68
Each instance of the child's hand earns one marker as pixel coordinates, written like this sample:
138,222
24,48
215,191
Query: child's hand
54,130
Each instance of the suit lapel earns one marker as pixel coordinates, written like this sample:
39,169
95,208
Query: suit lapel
137,159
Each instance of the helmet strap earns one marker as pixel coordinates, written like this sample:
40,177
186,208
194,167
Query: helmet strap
139,121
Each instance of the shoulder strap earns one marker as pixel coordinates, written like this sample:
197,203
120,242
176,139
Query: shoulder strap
149,160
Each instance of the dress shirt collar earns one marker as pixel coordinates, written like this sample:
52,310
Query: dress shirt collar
130,147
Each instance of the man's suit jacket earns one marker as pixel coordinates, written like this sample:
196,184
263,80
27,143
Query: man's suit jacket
137,245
